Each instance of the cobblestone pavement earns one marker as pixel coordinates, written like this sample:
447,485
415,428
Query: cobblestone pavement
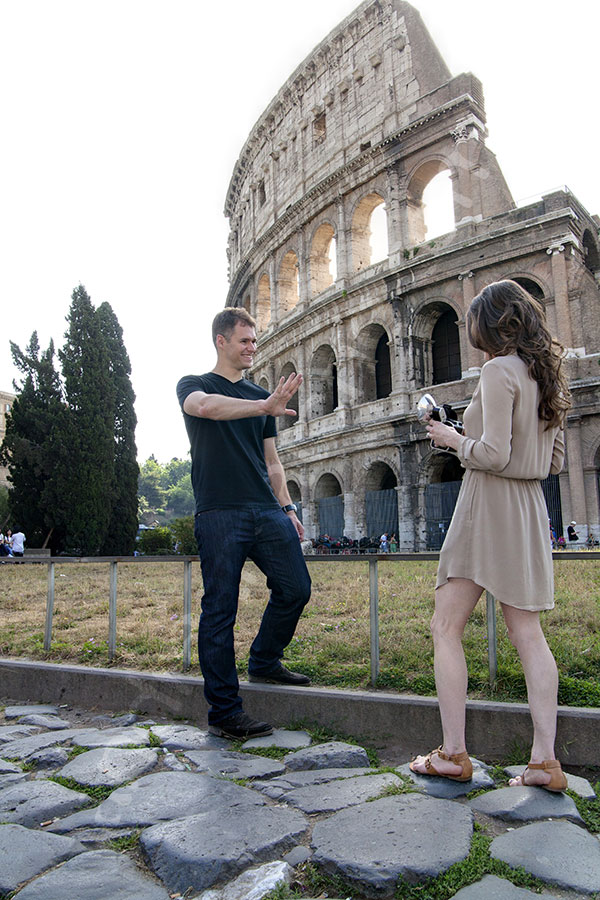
97,807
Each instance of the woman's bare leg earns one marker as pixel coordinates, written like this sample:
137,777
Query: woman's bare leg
454,603
525,632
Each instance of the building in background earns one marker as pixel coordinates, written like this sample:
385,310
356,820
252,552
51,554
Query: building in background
6,402
362,130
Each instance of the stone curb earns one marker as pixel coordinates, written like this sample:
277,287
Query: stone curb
492,728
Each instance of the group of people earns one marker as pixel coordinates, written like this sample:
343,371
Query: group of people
12,544
388,544
512,440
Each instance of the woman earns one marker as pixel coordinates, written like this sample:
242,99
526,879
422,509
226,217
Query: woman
498,537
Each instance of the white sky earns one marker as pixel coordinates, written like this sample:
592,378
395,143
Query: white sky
122,121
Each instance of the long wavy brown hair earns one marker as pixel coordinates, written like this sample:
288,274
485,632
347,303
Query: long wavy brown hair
505,319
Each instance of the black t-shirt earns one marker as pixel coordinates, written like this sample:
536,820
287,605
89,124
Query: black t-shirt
228,460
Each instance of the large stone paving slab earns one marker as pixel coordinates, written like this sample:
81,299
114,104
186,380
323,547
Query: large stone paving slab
186,737
112,737
219,843
339,794
160,797
14,732
234,765
25,853
579,785
97,875
276,788
32,802
23,748
15,712
446,789
11,778
253,884
409,835
53,723
556,852
526,804
281,737
7,767
109,766
332,754
492,888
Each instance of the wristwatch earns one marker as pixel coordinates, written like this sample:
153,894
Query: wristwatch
291,507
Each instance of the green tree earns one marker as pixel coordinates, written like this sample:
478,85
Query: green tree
123,523
85,508
183,534
151,494
34,447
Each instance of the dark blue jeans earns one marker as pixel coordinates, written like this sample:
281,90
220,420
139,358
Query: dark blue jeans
226,539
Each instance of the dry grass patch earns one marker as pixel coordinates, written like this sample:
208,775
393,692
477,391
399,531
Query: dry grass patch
332,640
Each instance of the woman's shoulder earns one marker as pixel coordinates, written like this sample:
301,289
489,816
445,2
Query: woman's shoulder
510,365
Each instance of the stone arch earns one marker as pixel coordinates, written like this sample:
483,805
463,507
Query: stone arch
287,421
329,500
443,474
436,343
323,382
264,383
247,304
375,373
420,179
294,490
263,303
361,230
288,283
321,259
532,286
380,477
381,500
590,251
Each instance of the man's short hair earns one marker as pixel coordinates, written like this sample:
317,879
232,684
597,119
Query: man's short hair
225,321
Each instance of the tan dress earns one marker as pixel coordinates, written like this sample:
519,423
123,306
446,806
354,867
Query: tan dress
499,534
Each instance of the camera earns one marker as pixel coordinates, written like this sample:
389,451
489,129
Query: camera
428,409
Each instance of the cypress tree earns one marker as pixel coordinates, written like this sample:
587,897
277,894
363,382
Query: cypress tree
34,447
90,394
123,523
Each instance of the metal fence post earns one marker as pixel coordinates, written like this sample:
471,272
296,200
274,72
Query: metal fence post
374,619
49,607
112,612
187,614
491,637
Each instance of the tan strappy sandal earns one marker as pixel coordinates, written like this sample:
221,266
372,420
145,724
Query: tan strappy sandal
459,759
558,780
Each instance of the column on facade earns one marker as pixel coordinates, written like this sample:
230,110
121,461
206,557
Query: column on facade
561,294
308,505
469,355
576,476
346,380
303,395
341,244
303,272
274,289
394,218
349,497
465,182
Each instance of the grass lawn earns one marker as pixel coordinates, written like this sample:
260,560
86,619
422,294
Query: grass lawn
332,640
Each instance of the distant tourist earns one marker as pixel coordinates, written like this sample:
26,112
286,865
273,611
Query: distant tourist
513,439
384,543
243,511
18,543
571,533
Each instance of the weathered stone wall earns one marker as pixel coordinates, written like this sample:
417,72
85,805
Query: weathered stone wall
364,123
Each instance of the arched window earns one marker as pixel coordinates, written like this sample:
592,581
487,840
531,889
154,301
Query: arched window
445,349
420,226
381,501
383,368
323,382
288,282
263,383
263,303
441,495
284,422
590,249
295,496
369,232
374,372
438,206
330,506
531,286
323,269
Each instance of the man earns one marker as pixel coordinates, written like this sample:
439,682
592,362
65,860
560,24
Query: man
571,533
243,511
18,543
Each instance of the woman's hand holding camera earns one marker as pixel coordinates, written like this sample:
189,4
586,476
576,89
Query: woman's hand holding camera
443,436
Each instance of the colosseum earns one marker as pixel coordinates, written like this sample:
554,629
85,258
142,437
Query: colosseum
356,136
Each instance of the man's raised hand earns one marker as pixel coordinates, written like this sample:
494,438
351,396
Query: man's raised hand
276,403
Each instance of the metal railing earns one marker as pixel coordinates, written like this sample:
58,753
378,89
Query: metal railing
373,560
